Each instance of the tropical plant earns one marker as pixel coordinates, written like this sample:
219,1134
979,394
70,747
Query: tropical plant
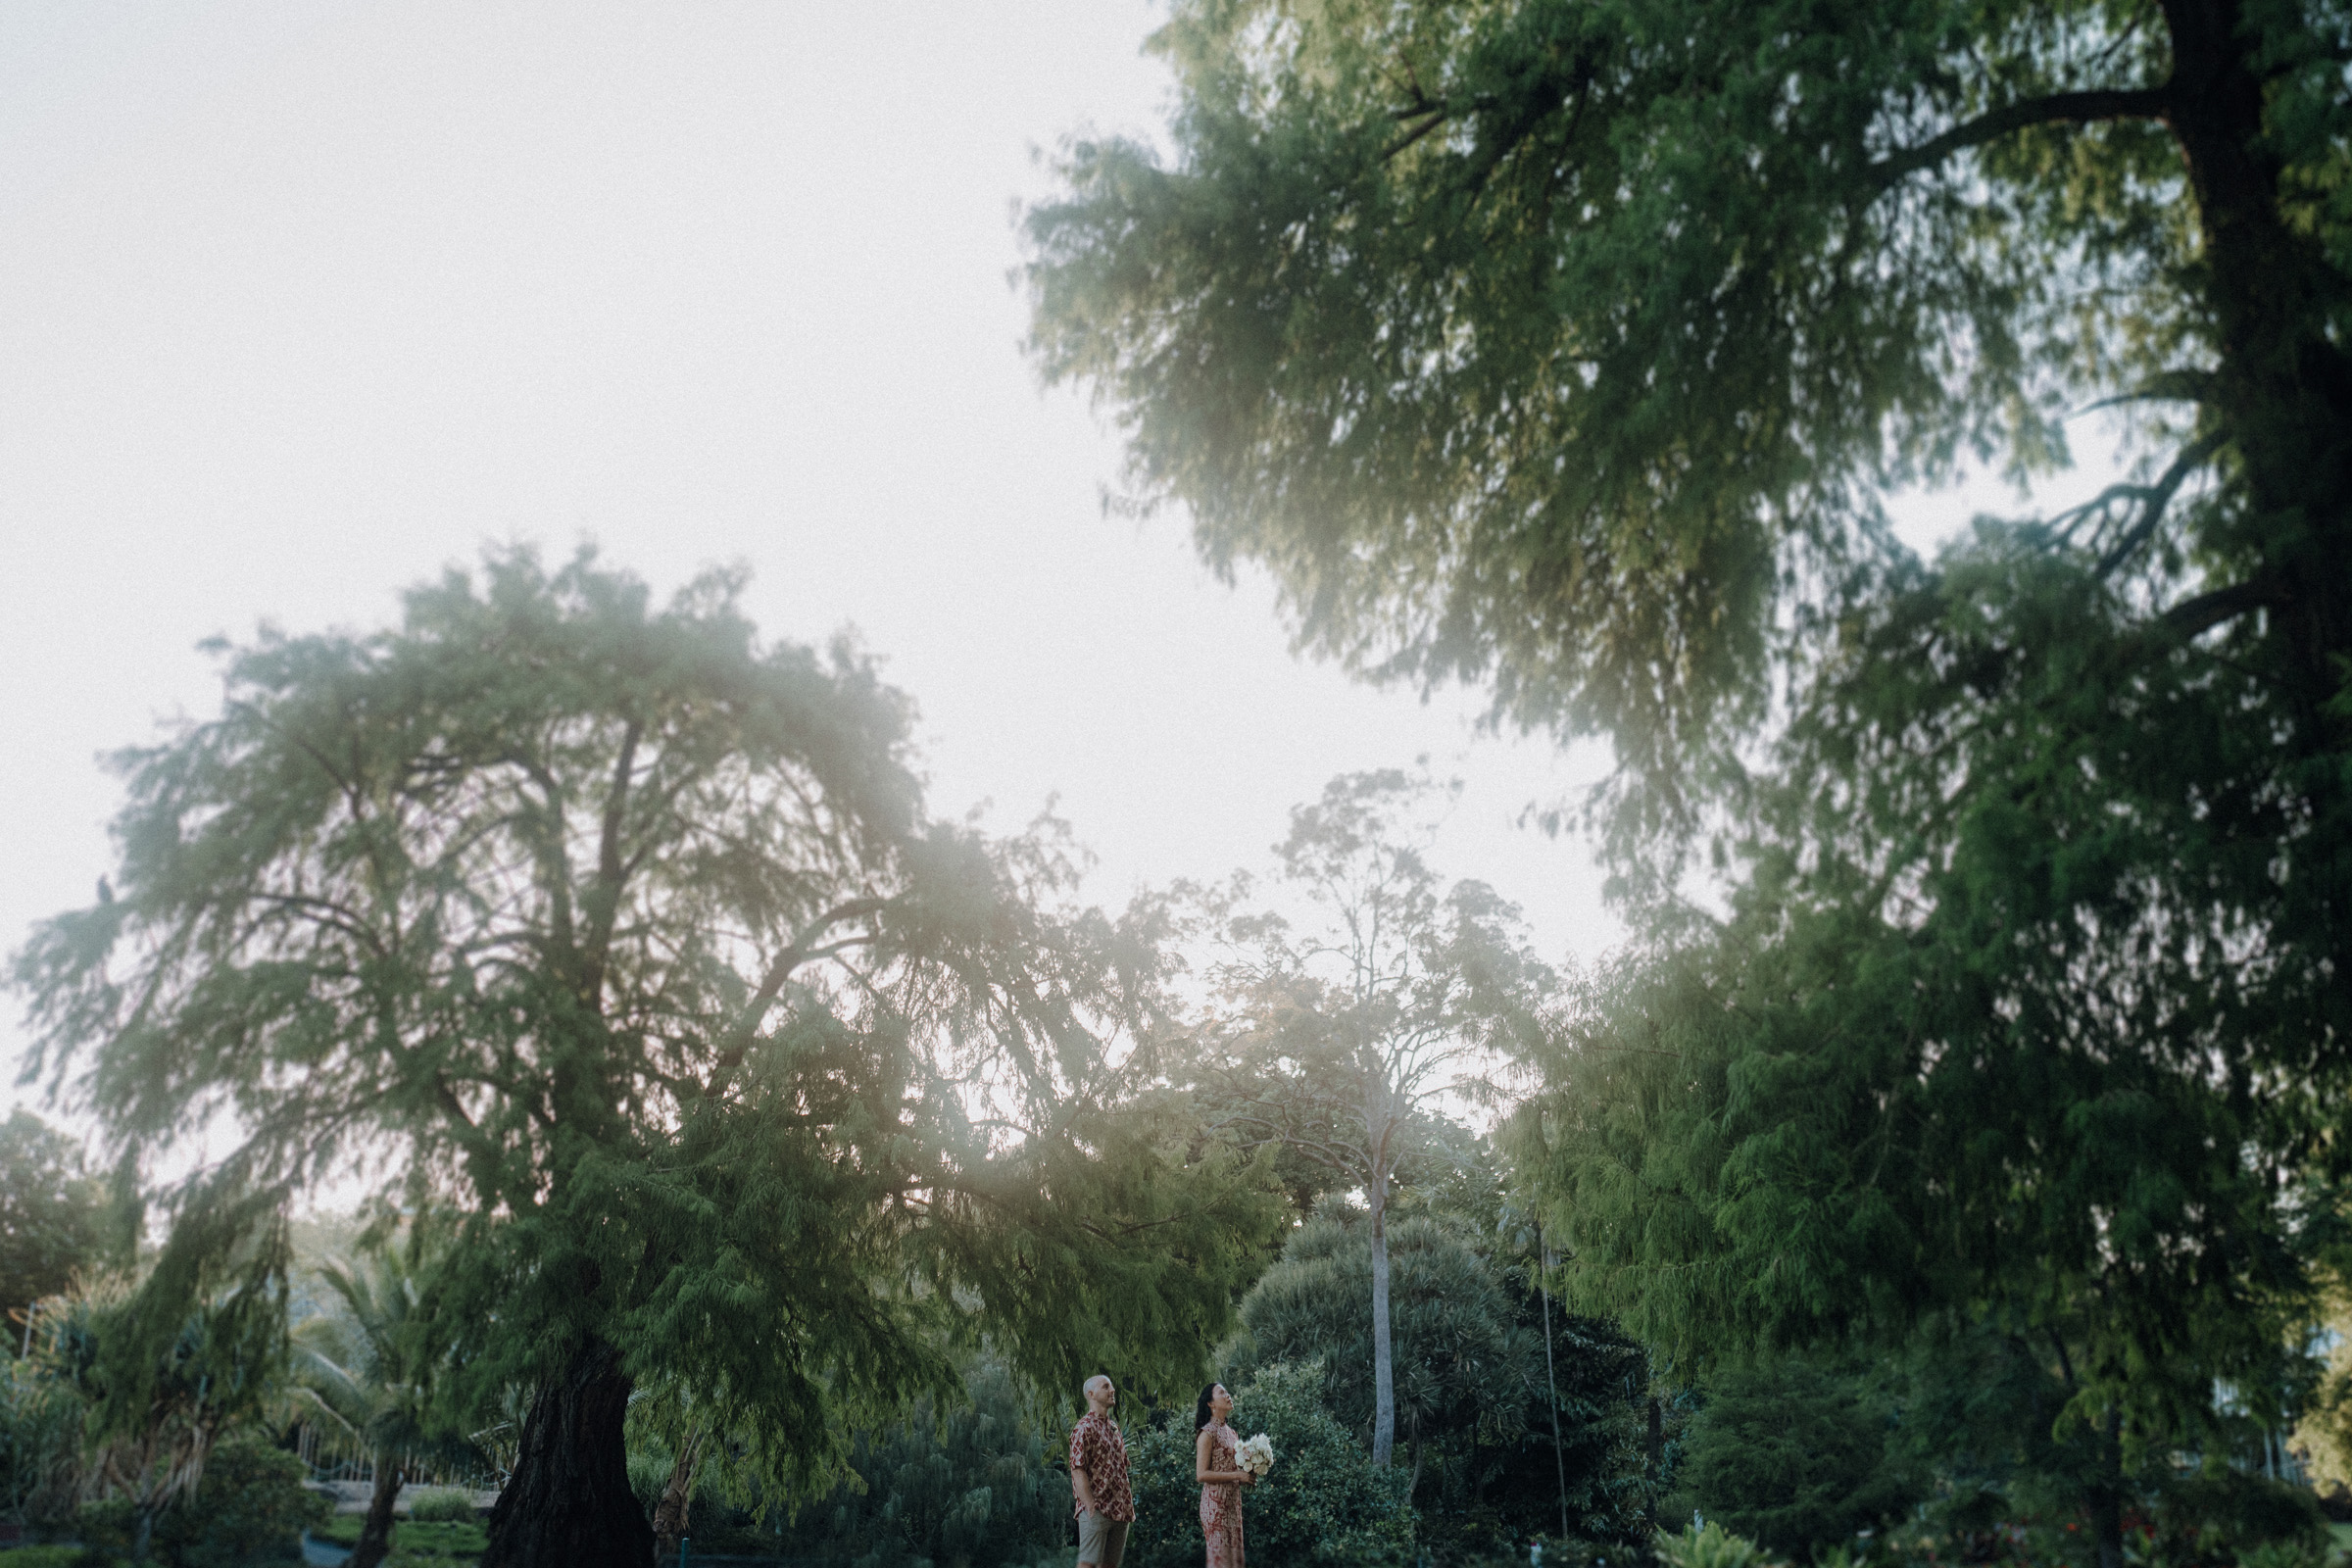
375,1369
41,1422
160,1392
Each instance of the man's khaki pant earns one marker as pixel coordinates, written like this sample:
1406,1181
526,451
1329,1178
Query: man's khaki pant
1101,1542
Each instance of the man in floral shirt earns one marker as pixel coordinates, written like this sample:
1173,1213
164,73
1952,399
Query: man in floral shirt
1099,1477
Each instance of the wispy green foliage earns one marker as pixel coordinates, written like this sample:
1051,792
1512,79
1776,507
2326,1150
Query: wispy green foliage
1572,346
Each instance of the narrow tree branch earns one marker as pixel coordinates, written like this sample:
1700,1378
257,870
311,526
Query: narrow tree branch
2157,497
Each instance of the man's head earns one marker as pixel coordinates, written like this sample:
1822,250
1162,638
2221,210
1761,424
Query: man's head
1099,1395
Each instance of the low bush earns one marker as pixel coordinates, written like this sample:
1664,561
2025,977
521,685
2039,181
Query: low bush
442,1505
2245,1511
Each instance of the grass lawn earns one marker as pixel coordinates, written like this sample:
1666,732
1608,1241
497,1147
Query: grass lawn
39,1556
411,1541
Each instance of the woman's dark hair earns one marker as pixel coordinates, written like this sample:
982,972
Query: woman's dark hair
1200,1410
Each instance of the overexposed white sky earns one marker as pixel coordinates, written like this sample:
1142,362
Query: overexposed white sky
302,300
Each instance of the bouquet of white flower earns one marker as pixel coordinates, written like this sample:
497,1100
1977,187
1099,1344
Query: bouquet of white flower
1255,1454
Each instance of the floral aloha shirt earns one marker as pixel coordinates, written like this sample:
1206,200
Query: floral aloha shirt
1096,1447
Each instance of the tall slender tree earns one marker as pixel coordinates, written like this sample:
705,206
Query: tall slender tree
625,934
1336,1032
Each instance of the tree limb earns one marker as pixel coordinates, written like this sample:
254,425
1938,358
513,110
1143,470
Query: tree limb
2192,618
747,1022
2055,109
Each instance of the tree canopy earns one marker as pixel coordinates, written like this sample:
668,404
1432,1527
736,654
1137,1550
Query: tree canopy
1575,345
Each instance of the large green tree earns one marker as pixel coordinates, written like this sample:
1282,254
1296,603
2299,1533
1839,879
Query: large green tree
50,1215
625,934
1575,347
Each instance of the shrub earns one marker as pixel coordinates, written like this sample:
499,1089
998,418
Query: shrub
250,1507
40,1445
2243,1511
1794,1455
968,1485
442,1505
1322,1502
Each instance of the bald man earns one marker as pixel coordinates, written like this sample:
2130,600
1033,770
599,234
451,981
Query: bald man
1098,1478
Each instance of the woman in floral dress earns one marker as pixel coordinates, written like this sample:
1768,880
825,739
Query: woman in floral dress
1221,1477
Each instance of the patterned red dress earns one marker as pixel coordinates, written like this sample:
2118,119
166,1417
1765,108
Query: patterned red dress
1221,1501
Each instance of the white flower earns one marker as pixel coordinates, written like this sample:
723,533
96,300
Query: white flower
1256,1455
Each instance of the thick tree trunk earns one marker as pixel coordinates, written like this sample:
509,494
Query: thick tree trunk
568,1503
375,1536
670,1514
1383,1367
2283,387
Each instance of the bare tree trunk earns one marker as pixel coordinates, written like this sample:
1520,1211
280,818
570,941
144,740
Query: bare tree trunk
1384,1368
1551,1378
568,1503
670,1514
375,1536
